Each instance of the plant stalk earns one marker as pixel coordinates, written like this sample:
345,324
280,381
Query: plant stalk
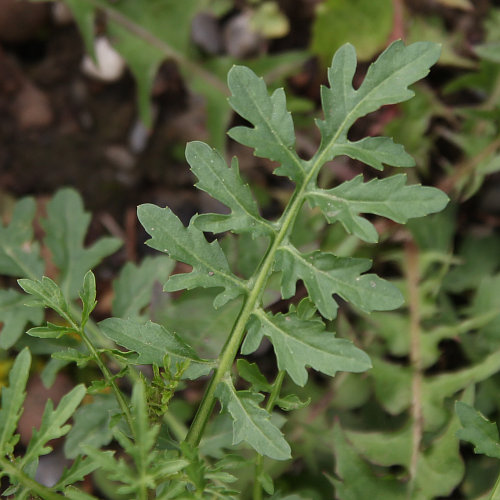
413,279
259,461
230,349
28,482
109,379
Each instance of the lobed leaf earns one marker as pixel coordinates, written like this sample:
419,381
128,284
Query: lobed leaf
47,293
376,152
226,185
356,477
49,331
187,244
386,82
19,255
325,274
251,423
152,342
133,289
88,295
66,227
77,472
12,400
251,373
52,426
388,197
15,316
478,430
299,343
272,135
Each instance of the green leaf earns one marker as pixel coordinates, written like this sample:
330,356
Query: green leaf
440,467
71,355
489,51
292,402
134,287
393,447
52,426
187,244
84,16
272,135
388,197
91,425
12,400
226,185
337,22
77,472
299,343
50,331
478,430
145,33
15,315
325,274
47,293
88,295
251,373
19,255
66,227
356,477
150,465
251,423
386,82
75,494
376,152
152,342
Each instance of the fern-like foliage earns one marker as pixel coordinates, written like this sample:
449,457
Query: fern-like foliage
170,467
298,341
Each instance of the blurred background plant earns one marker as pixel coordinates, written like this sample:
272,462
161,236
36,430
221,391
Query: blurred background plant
103,95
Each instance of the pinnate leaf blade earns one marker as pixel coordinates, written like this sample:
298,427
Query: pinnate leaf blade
389,197
47,293
91,425
88,296
188,244
273,133
376,152
325,274
52,426
386,82
14,314
19,255
12,400
66,228
152,342
251,423
299,343
478,430
133,289
226,185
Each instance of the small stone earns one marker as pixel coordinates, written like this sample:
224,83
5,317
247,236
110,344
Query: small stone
110,65
32,108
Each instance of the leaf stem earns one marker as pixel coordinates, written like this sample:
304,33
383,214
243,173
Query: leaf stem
230,349
413,278
109,379
495,492
259,461
28,482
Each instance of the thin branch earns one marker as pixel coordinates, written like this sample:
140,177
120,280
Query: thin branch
413,279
